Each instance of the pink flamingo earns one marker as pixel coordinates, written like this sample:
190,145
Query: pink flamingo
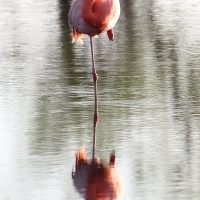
93,17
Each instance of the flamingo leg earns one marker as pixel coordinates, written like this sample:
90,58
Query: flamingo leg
95,78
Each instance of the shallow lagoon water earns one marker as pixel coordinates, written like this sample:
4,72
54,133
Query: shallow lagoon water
148,90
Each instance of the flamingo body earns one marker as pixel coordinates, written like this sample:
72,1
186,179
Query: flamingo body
92,17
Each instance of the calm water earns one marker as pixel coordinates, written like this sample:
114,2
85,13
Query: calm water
149,99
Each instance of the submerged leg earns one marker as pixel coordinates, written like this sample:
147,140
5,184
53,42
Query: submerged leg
95,78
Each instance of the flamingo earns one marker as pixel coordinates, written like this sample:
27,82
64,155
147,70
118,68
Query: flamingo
93,17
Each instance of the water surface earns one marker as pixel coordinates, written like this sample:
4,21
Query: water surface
149,99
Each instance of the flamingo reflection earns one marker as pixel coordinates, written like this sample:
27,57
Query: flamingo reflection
96,180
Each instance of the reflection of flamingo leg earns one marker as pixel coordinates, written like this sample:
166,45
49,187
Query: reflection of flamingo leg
95,78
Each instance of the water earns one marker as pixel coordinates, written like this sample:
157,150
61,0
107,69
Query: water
149,99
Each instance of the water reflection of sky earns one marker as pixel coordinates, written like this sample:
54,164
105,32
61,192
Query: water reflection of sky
149,97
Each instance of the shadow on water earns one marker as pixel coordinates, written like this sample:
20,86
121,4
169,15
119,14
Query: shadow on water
67,47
